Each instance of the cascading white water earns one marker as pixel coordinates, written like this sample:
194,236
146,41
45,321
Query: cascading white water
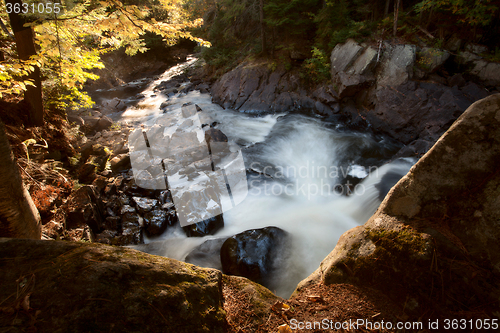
298,168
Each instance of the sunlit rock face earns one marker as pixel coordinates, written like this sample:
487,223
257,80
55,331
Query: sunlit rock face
433,242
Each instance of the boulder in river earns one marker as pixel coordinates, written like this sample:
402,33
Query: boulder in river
207,254
157,220
252,253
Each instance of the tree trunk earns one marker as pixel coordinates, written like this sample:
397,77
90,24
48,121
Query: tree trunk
19,217
262,27
396,14
386,9
26,48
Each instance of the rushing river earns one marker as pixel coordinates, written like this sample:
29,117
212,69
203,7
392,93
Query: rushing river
310,178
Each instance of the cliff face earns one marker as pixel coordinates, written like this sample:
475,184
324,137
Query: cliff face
433,243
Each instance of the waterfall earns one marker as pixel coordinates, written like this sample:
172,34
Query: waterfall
314,180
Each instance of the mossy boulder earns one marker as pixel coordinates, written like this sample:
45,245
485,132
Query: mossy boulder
55,286
433,243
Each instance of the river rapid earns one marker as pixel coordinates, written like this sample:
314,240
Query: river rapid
312,178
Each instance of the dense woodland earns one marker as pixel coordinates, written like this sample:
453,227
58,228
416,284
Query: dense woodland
299,33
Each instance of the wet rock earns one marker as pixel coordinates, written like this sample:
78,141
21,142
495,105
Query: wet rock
203,88
156,221
326,95
207,227
207,254
417,110
131,230
165,104
168,206
255,88
351,84
127,209
416,148
323,109
474,92
144,205
165,197
84,207
215,135
252,253
113,105
112,222
105,237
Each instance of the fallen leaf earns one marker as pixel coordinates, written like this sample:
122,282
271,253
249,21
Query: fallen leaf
280,307
315,298
284,329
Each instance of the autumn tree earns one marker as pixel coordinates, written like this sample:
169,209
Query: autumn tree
26,49
71,41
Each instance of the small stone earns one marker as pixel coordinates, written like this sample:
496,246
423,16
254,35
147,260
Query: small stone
155,222
144,204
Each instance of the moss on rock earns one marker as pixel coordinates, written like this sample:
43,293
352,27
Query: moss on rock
98,288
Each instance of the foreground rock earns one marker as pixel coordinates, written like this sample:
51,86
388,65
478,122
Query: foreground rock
77,287
433,243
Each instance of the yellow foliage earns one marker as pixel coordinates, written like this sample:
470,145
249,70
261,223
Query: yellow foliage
72,42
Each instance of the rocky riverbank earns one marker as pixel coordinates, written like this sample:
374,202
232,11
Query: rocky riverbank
430,252
411,94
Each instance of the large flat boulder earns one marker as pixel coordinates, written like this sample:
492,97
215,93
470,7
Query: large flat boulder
433,243
55,286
